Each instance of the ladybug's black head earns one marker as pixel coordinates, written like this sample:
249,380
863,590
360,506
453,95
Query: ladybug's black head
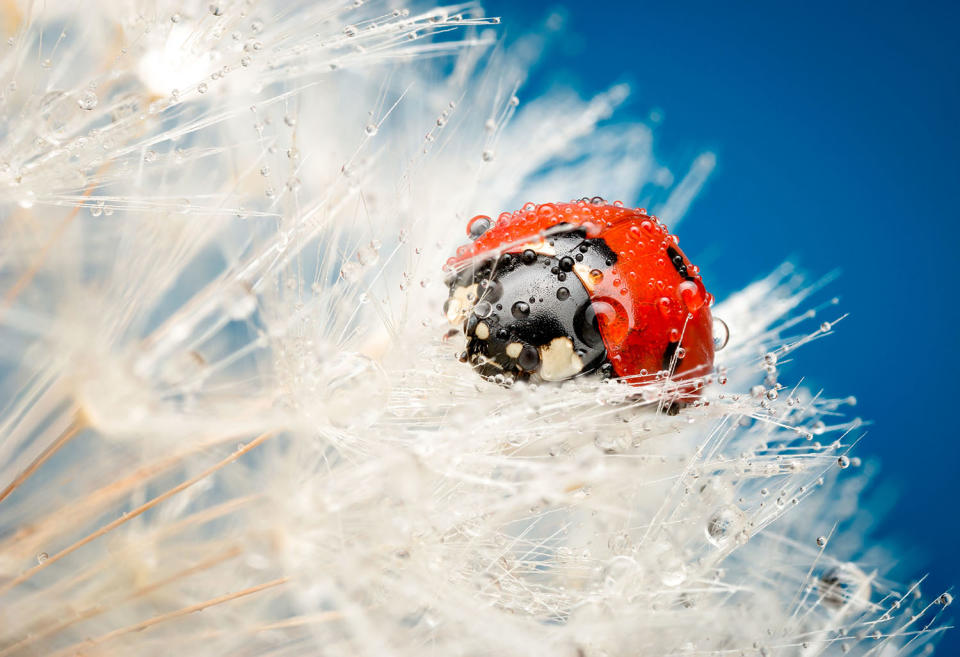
528,315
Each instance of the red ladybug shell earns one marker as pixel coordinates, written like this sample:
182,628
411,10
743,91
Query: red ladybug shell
651,305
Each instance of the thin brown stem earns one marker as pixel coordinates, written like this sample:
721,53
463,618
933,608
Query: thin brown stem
16,581
184,611
98,609
72,429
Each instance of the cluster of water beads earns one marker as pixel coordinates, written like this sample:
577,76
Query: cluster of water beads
100,208
87,100
365,257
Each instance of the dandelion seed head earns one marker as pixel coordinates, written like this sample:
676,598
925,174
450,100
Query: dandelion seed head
233,423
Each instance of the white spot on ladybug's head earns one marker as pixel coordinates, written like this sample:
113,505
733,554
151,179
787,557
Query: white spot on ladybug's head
460,303
482,331
558,360
513,349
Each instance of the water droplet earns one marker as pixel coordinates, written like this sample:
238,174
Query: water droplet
478,226
487,155
944,600
482,310
843,462
721,334
87,100
529,358
586,321
202,88
821,541
371,129
368,254
42,556
724,524
825,327
563,293
520,310
350,272
691,295
663,305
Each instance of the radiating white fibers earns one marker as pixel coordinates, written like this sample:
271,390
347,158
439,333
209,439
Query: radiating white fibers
231,423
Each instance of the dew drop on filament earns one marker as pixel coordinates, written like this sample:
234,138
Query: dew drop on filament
88,100
721,334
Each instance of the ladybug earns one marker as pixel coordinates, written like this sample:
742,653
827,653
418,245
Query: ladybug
559,290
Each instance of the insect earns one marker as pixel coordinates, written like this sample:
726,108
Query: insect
558,290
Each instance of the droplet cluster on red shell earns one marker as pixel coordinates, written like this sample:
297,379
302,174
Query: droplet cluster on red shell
558,290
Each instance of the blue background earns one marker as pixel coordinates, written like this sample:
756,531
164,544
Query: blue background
835,127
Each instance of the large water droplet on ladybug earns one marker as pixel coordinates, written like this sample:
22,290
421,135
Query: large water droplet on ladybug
529,358
613,317
478,226
691,295
586,325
